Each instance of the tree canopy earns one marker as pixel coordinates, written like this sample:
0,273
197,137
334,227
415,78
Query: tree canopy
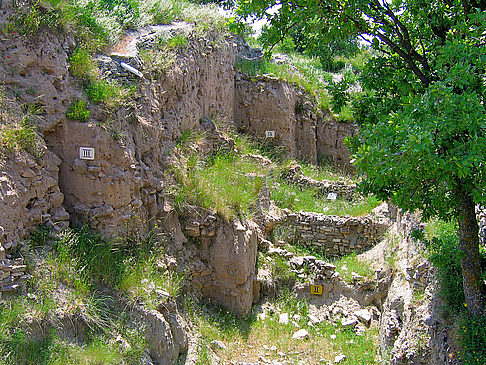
422,117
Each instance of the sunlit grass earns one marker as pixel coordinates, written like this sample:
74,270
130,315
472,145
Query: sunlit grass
227,183
249,339
307,199
301,71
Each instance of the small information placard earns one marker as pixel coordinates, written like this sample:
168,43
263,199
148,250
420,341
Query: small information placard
86,153
316,289
332,196
270,134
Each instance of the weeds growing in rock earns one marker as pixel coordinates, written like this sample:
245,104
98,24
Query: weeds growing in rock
296,198
75,277
99,23
98,89
78,110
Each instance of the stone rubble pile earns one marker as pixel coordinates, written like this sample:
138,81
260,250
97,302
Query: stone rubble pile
342,189
12,273
334,235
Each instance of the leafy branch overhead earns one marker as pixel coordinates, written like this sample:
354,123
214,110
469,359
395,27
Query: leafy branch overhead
422,110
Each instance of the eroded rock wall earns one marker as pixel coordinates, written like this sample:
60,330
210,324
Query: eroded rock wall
411,328
123,185
269,104
227,268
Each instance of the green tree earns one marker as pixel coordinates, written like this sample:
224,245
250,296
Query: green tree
422,117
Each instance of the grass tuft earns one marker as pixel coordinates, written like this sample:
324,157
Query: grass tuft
78,110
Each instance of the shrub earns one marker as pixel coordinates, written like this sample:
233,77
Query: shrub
78,111
443,242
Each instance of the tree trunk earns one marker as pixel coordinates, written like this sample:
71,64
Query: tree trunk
474,292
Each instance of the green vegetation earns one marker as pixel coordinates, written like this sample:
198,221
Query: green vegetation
99,23
18,128
299,70
230,182
442,241
247,339
326,172
307,72
22,137
422,139
225,182
78,275
99,90
296,198
345,265
78,110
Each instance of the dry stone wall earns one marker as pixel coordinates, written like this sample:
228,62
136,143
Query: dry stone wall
29,196
334,235
12,274
342,189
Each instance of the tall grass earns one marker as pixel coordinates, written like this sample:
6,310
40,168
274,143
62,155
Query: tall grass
77,275
99,23
225,182
18,127
300,71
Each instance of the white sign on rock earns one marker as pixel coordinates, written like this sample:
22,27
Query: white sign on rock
86,153
270,134
332,196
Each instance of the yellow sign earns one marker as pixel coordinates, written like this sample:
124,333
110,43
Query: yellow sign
316,289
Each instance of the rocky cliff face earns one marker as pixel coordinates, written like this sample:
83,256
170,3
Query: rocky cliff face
124,183
411,329
268,104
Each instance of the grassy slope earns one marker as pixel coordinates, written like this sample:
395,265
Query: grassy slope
230,183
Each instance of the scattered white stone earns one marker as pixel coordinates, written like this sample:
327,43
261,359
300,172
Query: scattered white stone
297,317
360,329
261,316
218,345
273,348
162,293
333,336
283,318
300,334
336,311
356,277
339,358
363,315
313,319
349,322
